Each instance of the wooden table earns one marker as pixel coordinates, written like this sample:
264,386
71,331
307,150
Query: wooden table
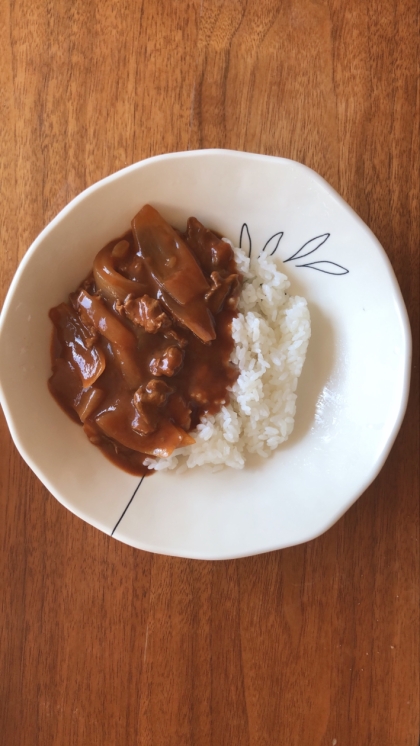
316,645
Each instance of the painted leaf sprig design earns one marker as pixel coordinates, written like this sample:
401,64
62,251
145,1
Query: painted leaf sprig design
245,239
273,243
323,265
313,245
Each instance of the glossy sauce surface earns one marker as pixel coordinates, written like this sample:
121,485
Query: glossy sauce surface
141,351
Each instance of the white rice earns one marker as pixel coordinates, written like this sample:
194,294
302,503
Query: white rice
271,334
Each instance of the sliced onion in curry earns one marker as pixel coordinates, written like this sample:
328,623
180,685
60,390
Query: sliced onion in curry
112,283
72,335
175,269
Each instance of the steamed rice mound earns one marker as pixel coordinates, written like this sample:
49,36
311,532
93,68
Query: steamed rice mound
271,334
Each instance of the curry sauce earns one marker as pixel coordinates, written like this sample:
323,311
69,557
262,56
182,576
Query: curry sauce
141,351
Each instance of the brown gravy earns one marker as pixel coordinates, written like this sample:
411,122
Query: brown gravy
141,351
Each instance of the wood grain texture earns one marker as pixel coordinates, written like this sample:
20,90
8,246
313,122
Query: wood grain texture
315,645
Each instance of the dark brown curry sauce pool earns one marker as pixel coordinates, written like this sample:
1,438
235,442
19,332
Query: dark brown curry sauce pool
141,351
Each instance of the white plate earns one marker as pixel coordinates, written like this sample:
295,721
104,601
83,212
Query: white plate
351,396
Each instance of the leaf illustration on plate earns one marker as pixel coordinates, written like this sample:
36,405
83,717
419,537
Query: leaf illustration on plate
309,247
333,267
273,243
271,246
245,242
